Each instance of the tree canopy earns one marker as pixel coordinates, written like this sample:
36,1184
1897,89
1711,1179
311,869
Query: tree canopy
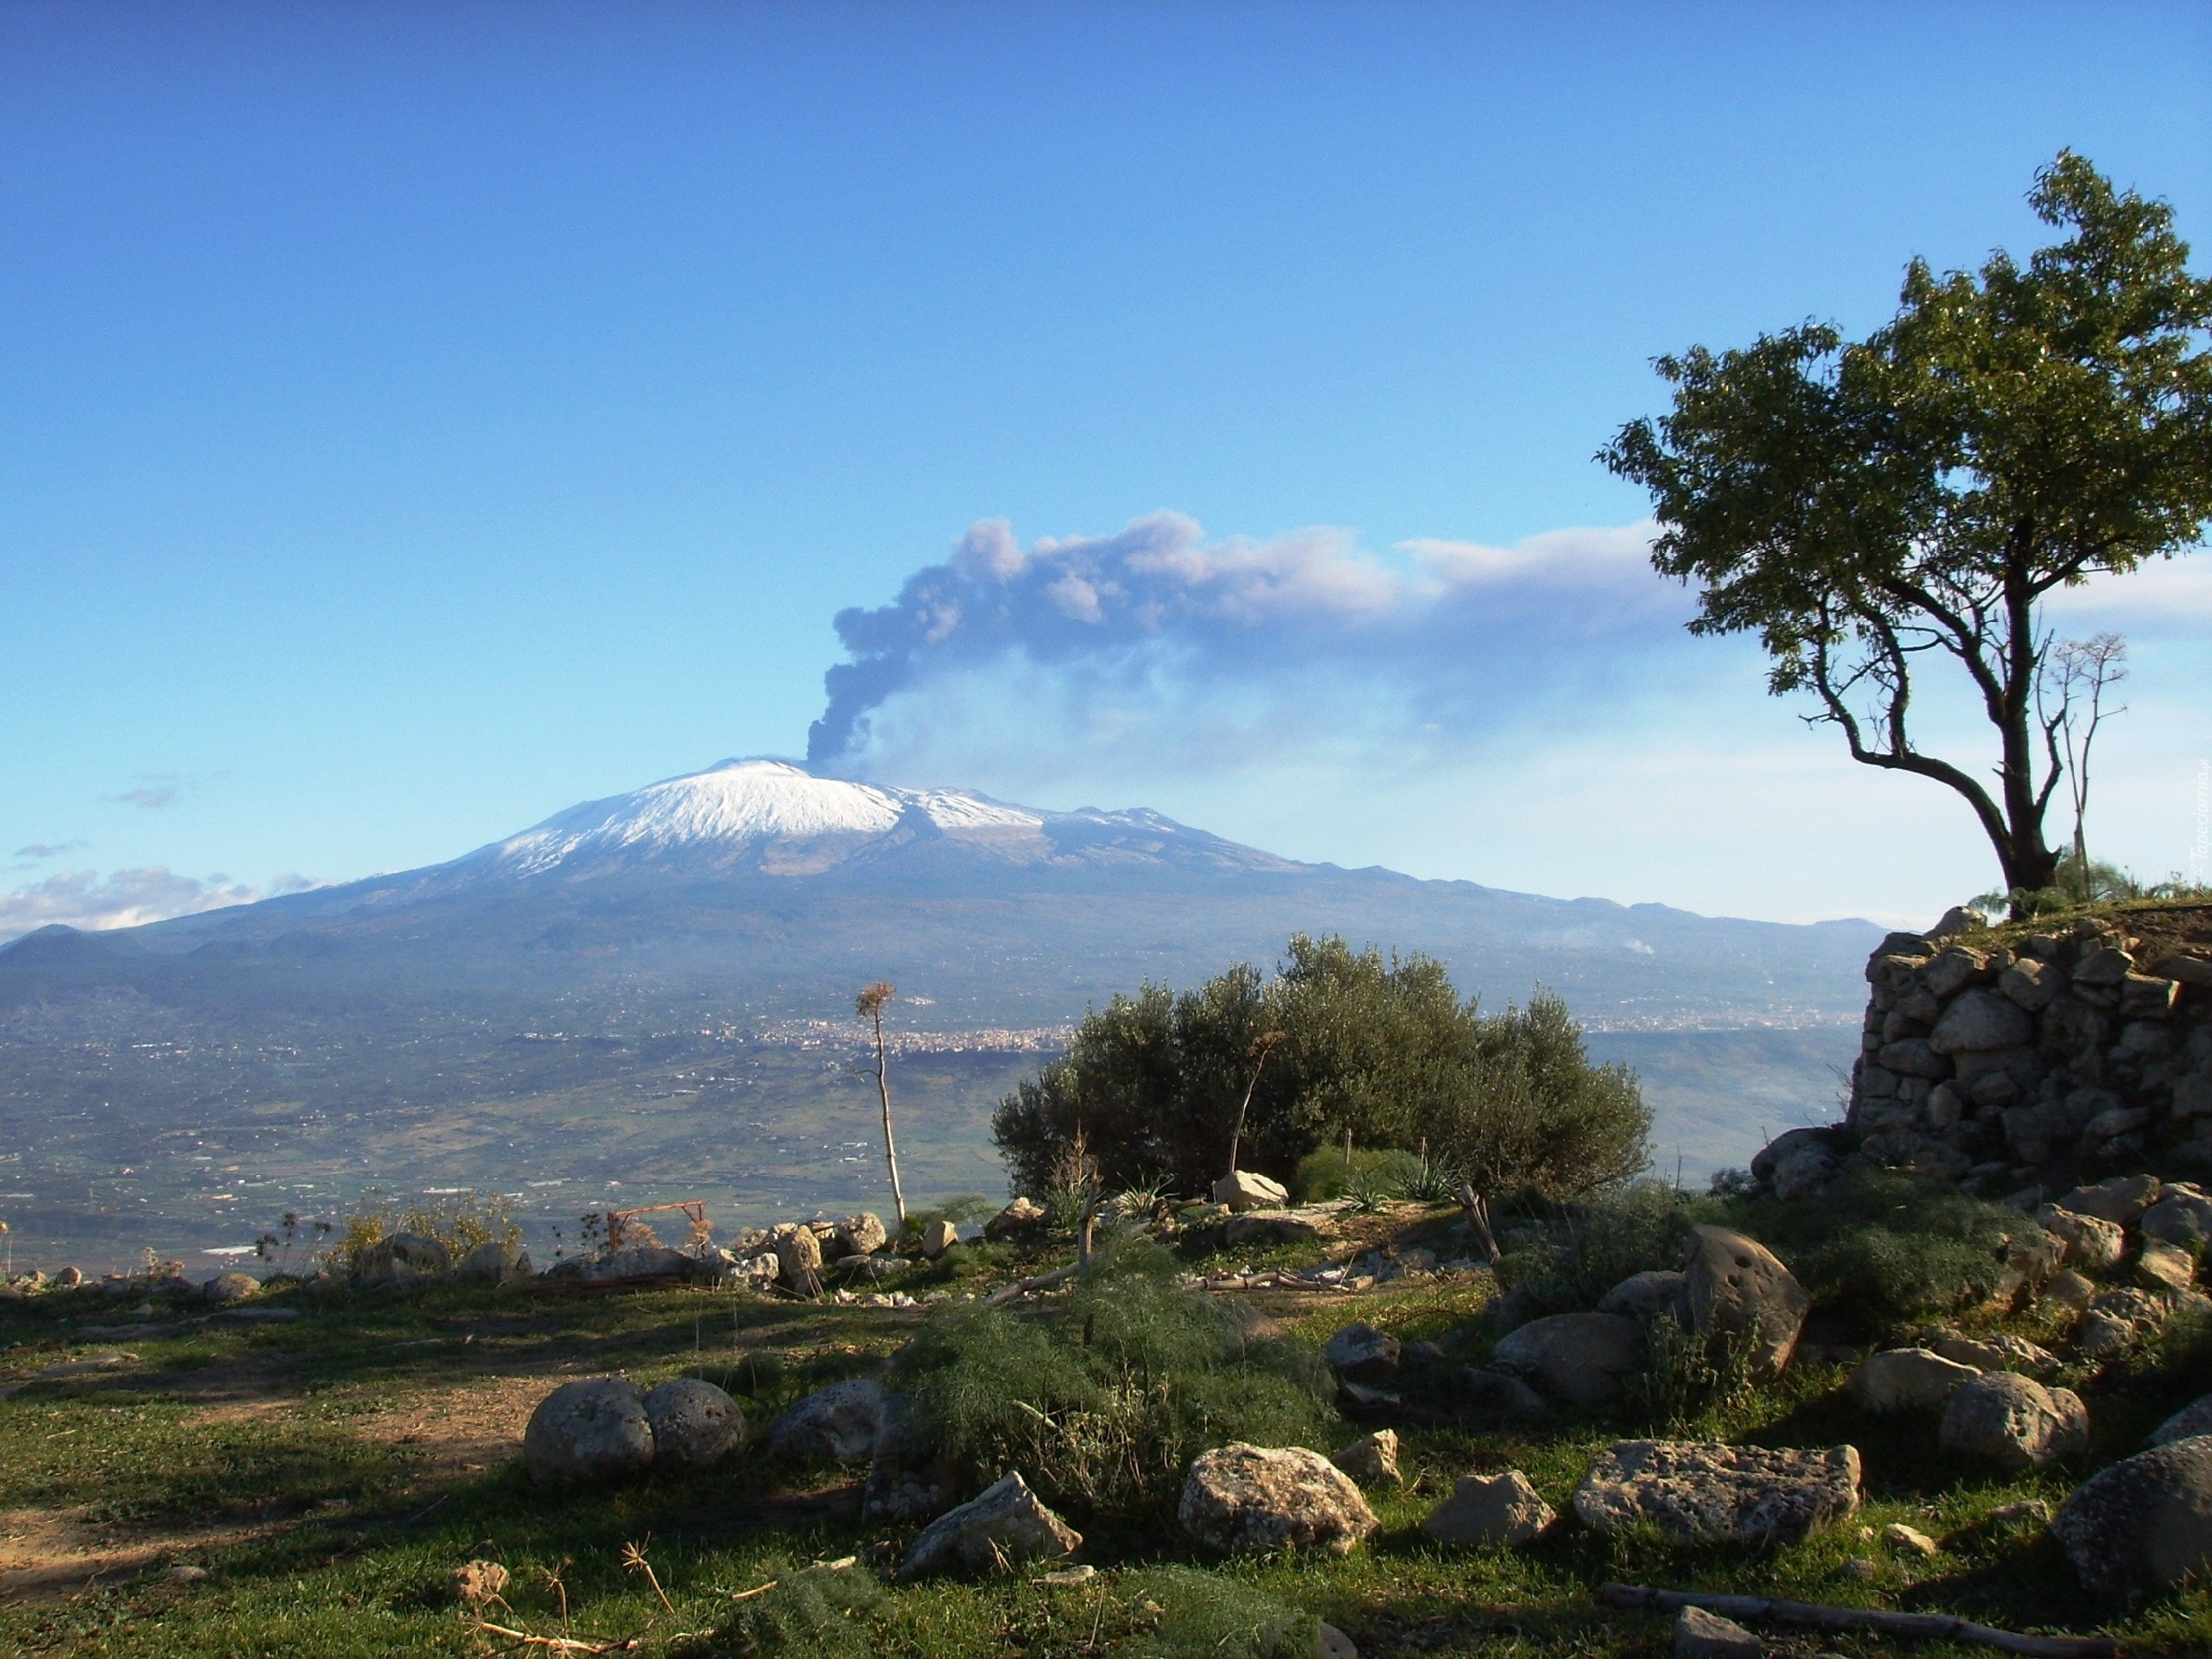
1874,508
1386,1050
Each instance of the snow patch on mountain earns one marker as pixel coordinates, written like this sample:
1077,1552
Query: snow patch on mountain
741,803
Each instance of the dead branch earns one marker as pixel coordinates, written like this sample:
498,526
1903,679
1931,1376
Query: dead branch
1023,1287
1478,1222
837,1566
558,1644
1924,1627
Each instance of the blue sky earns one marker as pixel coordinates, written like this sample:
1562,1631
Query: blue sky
414,420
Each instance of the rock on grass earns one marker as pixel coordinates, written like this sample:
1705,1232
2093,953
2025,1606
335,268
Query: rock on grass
1250,1497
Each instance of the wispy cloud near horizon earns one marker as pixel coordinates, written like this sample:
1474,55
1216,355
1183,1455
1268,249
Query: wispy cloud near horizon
1442,630
93,903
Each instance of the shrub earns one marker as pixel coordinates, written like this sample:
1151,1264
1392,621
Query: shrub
1325,1174
1102,1401
1570,1258
459,1221
1688,1374
1883,1246
813,1612
1152,1084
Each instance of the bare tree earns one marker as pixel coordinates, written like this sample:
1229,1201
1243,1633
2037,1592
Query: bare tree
1262,1047
2076,675
869,1006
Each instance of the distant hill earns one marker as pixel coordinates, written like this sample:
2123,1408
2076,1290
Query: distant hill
673,942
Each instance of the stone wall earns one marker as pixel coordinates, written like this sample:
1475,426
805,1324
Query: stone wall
2027,1057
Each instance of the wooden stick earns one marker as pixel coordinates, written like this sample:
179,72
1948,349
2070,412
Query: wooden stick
557,1643
1023,1287
1478,1222
1927,1627
838,1566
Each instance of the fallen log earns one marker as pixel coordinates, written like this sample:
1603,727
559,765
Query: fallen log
1022,1287
1813,1615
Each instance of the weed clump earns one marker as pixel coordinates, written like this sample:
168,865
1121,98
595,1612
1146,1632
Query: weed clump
1325,1173
1197,1615
818,1611
1570,1257
1103,1400
459,1221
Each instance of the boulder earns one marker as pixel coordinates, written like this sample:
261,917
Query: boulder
1019,1217
1578,1357
1247,1497
1269,1227
2069,1289
591,1430
1647,1295
1736,1286
226,1289
1907,1379
798,1260
837,1424
1496,1393
938,1237
1955,970
2183,1215
495,1261
634,1264
1372,1459
2143,1524
1981,1018
2192,1420
1806,1172
695,1424
1488,1509
2031,983
2162,1266
2098,1335
1360,1353
861,1235
1005,1525
1242,1190
2091,1240
1787,1144
2002,1352
1703,1635
1702,1493
2121,1199
2014,1421
400,1259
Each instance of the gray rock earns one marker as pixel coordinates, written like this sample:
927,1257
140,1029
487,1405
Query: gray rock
2031,983
1372,1459
1247,1497
2192,1420
1981,1018
1488,1509
2144,1524
938,1237
2122,1199
1703,1493
1497,1394
2145,996
1907,1379
798,1260
837,1424
2164,1266
1647,1295
1959,919
2014,1421
1269,1227
1703,1635
695,1424
1360,1353
2091,1241
861,1235
1909,1541
2069,1289
1240,1189
1736,1286
2181,1215
591,1430
1578,1357
2107,967
1005,1525
1914,1057
1019,1217
1955,970
494,1261
2099,1335
225,1289
2002,1352
1807,1171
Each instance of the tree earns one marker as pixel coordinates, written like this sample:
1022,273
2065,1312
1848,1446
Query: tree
2080,671
869,1006
1154,1085
1874,509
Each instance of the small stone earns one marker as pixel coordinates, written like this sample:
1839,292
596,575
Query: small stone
1242,1190
226,1289
1066,1577
185,1573
1703,1635
1330,1642
2069,1289
2029,1512
1488,1509
1372,1459
1862,1568
861,1235
1908,1540
938,1237
1021,1216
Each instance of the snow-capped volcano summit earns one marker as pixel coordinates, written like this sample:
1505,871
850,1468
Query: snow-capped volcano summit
739,805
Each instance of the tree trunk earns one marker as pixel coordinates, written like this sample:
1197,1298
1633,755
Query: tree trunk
890,1147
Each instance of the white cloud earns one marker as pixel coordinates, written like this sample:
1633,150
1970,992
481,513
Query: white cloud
84,899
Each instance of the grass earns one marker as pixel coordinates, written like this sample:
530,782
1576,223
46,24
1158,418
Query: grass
264,1455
